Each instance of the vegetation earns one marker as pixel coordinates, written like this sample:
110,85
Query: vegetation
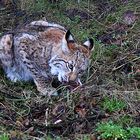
109,130
4,137
111,84
113,104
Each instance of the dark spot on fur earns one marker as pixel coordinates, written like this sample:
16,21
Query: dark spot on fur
9,43
24,62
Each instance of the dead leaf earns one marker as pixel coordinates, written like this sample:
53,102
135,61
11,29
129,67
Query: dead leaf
81,110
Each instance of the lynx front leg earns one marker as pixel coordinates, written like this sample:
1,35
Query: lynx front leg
44,88
41,81
29,56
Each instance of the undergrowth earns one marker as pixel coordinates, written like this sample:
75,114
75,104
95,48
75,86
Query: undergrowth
113,104
111,83
110,130
4,137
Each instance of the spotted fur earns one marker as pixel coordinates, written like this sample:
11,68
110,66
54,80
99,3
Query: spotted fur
42,50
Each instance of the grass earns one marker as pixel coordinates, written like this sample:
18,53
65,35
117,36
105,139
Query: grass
125,120
4,137
112,104
31,5
110,130
134,132
111,88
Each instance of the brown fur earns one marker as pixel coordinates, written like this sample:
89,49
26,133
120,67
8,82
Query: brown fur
41,54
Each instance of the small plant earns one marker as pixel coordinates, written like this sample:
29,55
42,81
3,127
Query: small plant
108,50
125,120
109,130
111,18
113,104
84,137
4,137
31,5
97,53
134,132
48,137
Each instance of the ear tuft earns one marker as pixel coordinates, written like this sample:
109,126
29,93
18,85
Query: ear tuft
67,42
89,44
69,37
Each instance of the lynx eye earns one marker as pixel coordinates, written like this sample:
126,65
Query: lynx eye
70,66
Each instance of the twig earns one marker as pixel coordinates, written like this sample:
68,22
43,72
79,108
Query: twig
116,68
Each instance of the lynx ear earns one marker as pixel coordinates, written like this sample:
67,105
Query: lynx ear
67,39
89,44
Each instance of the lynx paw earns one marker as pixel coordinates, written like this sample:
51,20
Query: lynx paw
13,77
49,91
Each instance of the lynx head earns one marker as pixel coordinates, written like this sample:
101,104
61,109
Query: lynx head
72,59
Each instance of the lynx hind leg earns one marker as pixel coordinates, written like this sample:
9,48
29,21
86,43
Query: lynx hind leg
6,43
6,54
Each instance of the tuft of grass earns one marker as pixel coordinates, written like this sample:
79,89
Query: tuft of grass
84,137
134,132
4,137
111,18
48,137
32,6
108,50
109,130
113,104
125,120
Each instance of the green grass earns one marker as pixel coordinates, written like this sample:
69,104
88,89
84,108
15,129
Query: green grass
134,132
125,120
4,137
31,6
21,101
110,130
113,104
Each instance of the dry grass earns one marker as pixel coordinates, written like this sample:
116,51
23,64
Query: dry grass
113,72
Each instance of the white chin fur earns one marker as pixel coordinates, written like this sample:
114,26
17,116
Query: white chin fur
59,78
54,71
62,77
79,82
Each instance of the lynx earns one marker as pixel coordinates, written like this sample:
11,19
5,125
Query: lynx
41,51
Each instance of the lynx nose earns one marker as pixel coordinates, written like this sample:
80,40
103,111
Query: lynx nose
72,76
